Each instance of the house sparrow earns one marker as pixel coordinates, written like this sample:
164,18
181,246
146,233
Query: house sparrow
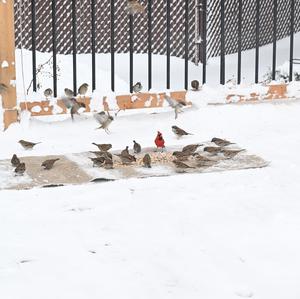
231,153
98,162
212,149
20,169
176,105
82,90
134,7
125,151
221,142
15,161
181,156
125,157
136,147
106,155
27,144
147,161
201,158
108,164
195,85
104,120
159,140
3,88
179,132
48,164
180,164
191,148
73,105
103,147
48,93
137,87
69,93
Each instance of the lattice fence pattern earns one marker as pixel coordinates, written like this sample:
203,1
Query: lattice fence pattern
64,26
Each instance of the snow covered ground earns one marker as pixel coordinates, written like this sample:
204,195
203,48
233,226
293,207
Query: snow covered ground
218,235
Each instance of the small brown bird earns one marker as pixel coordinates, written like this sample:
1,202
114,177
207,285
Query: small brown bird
106,155
212,149
104,120
48,164
3,88
20,169
48,93
69,93
125,151
15,161
231,153
134,7
73,105
191,148
179,132
180,164
199,157
127,159
27,144
147,161
136,147
221,142
108,164
195,85
82,90
98,162
103,147
181,156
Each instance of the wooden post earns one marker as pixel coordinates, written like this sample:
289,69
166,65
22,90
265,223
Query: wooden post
7,62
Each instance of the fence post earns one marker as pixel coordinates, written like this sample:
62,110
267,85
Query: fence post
7,62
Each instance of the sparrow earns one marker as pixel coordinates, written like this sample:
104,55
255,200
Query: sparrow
27,144
136,147
180,164
48,93
221,142
108,163
179,132
125,151
199,157
98,162
195,85
176,105
137,87
182,156
126,158
48,164
147,161
82,90
231,153
159,140
191,148
212,149
106,155
20,169
15,161
104,120
134,7
3,88
103,147
73,105
69,93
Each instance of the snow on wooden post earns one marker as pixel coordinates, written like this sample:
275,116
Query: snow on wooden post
7,62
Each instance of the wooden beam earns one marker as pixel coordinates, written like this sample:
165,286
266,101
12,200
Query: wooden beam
7,62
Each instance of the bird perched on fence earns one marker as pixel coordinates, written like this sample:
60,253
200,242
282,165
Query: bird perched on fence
136,147
20,169
212,149
159,141
137,87
15,161
3,88
176,105
180,164
104,120
82,90
195,85
48,164
179,132
69,93
191,148
104,147
221,142
134,7
48,93
73,105
27,144
231,153
147,161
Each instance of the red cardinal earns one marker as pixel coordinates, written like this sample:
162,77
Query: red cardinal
159,140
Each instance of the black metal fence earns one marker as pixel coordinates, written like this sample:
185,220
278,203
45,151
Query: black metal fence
192,29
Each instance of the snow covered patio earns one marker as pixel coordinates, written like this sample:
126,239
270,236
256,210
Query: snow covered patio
214,235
